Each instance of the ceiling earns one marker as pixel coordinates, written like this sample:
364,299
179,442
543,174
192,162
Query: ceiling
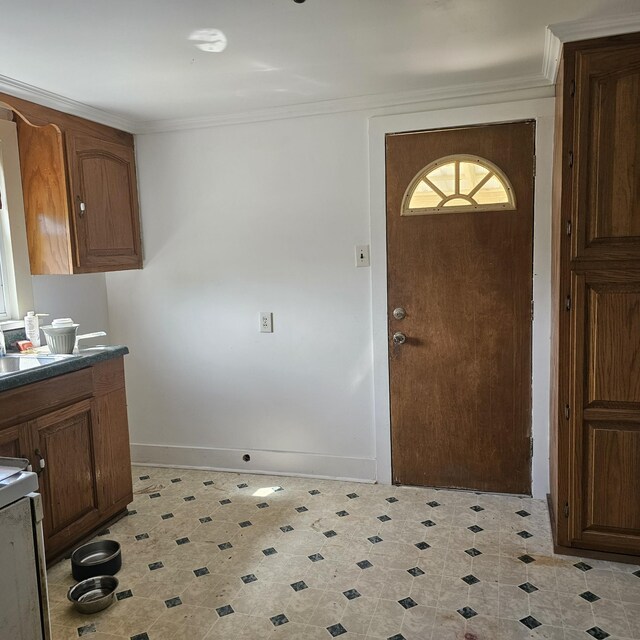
133,58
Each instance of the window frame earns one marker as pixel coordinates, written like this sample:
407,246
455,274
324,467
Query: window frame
16,272
493,170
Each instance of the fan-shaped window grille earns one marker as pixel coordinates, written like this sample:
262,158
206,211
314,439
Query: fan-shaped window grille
456,184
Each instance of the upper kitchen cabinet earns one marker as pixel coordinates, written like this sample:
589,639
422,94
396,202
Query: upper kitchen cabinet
80,192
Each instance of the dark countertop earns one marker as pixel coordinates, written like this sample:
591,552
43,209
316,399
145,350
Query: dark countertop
85,358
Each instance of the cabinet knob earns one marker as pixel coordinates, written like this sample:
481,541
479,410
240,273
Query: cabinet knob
41,462
82,207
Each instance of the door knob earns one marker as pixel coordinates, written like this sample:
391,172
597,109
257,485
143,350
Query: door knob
399,338
399,313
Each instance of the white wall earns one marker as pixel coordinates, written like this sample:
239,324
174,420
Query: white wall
81,297
238,220
264,217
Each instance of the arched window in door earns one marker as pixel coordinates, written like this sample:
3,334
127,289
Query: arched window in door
456,184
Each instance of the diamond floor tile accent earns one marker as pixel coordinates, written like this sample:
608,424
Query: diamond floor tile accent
530,622
408,603
89,628
314,577
279,620
336,630
527,559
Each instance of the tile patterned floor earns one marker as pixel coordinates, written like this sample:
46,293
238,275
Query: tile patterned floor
212,556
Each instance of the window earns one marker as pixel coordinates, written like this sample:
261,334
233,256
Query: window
456,184
16,295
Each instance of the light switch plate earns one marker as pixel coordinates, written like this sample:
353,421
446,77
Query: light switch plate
362,255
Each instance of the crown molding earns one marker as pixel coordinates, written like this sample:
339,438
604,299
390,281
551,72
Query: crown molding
557,34
360,103
56,101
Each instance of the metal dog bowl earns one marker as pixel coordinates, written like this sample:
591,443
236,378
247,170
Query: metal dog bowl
96,559
94,594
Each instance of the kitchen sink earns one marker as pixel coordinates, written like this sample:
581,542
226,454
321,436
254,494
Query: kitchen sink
14,363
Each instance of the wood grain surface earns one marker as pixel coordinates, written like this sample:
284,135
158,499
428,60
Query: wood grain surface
461,384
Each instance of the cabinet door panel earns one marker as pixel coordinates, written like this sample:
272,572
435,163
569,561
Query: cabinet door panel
64,439
113,457
14,442
106,203
613,343
612,465
607,150
605,509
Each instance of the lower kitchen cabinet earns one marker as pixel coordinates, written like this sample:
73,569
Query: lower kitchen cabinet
63,441
74,430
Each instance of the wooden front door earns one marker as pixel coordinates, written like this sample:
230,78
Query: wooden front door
461,381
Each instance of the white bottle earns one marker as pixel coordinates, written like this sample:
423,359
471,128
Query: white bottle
32,328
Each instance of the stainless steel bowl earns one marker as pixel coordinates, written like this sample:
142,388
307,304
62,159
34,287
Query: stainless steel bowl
93,594
96,559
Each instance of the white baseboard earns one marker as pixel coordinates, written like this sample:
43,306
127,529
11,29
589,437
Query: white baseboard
280,463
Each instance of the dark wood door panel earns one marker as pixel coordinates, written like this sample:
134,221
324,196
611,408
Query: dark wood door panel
613,344
14,442
64,439
612,477
103,179
460,384
607,147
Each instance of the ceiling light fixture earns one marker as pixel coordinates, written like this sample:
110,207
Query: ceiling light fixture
209,40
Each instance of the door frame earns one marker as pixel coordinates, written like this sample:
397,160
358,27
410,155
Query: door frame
542,110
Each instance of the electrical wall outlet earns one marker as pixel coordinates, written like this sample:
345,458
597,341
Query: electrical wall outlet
362,255
266,322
